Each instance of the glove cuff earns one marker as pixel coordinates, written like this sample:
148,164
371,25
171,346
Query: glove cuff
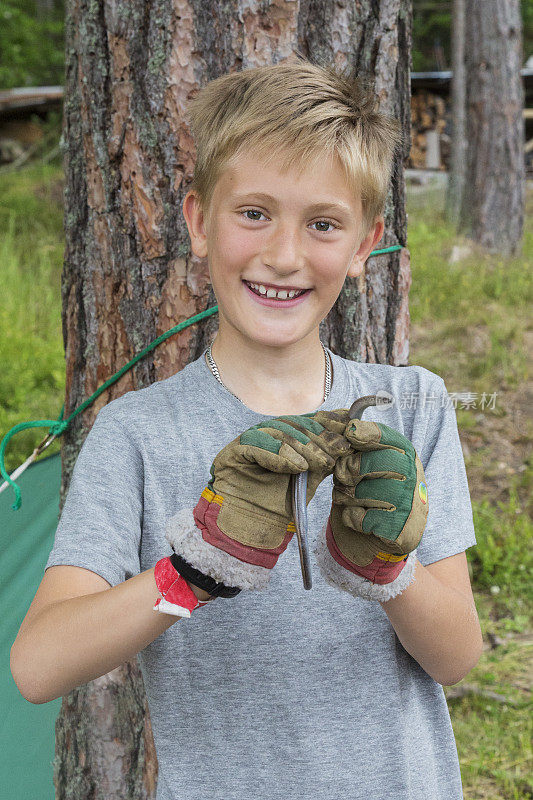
341,578
188,541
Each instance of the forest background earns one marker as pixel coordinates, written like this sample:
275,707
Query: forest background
470,323
31,39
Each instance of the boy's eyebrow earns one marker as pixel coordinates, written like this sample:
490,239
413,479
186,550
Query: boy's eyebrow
314,207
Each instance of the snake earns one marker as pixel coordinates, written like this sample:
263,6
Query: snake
299,490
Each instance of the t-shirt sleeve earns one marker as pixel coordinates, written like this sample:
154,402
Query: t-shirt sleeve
101,521
450,527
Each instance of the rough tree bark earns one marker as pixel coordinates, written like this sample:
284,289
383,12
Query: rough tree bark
492,210
129,274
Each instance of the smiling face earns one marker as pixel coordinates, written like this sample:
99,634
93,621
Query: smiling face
286,231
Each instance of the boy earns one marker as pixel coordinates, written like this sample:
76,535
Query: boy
280,693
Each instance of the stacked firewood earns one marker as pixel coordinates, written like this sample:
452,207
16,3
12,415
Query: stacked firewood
429,112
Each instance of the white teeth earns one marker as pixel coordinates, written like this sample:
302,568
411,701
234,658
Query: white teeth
282,294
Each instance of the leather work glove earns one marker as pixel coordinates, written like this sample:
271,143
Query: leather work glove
243,520
378,513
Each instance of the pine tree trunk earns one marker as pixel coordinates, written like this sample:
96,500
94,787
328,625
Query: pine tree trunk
129,274
370,320
494,193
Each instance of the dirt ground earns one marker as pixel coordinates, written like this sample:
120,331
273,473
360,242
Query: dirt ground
498,447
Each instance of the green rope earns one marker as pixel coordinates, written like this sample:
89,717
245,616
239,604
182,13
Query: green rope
57,427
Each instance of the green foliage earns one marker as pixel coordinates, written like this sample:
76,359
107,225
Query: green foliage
31,251
527,22
432,24
31,48
429,28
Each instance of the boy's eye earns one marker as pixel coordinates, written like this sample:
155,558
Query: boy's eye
318,222
252,211
324,222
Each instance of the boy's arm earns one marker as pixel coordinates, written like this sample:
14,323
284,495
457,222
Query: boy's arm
436,621
71,642
434,616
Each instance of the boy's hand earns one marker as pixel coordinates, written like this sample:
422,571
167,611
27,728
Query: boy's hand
379,512
243,519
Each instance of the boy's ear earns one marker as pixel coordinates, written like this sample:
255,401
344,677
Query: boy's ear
194,217
365,248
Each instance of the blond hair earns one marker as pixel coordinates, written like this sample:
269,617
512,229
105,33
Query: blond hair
296,113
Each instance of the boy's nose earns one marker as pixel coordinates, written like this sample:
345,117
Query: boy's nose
284,249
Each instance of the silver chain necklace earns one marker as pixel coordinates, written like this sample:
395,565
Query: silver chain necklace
214,369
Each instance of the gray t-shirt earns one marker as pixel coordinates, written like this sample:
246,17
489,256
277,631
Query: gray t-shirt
283,694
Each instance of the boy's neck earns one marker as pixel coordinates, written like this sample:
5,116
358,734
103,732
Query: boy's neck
272,380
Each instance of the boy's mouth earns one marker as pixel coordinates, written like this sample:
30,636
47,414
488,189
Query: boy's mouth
269,293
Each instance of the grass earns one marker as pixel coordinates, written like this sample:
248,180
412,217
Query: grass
482,294
494,736
480,309
31,343
503,530
470,324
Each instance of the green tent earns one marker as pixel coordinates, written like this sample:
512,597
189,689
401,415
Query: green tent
27,731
